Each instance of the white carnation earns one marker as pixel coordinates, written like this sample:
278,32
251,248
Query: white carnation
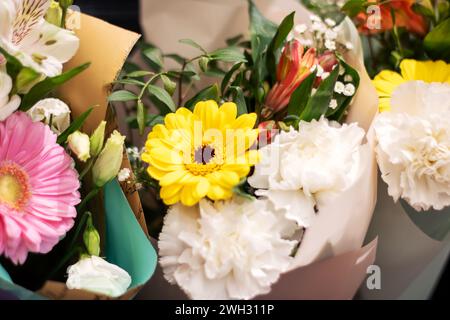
413,148
226,250
53,112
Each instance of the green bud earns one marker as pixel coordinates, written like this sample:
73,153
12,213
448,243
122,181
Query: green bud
65,4
91,238
203,63
169,85
97,139
109,161
54,13
26,79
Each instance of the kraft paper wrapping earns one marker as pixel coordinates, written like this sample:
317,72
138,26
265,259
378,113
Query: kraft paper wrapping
330,263
106,47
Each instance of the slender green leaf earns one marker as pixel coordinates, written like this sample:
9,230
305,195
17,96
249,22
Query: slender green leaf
43,88
153,57
138,74
194,44
239,99
301,96
130,82
13,64
230,54
74,126
163,97
150,120
234,40
122,95
277,42
209,93
319,103
140,117
226,79
437,41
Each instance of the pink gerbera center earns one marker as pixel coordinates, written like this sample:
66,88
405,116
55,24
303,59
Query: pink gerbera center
14,186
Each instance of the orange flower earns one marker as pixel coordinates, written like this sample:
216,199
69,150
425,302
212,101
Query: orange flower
295,65
404,17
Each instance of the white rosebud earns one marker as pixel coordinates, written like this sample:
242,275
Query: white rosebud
333,104
300,28
339,87
349,90
80,145
53,112
99,276
124,174
330,22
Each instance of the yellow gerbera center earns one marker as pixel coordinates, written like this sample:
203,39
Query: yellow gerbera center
14,190
204,153
411,70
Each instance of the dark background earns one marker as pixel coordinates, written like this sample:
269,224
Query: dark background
126,14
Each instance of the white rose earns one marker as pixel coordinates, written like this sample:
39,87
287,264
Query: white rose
96,275
7,105
53,110
413,149
226,250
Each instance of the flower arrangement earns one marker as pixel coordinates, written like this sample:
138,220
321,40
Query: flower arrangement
250,171
50,170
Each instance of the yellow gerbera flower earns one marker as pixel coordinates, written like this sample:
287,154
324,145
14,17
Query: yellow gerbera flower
428,71
201,154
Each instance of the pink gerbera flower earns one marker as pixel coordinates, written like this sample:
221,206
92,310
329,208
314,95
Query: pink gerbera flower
38,188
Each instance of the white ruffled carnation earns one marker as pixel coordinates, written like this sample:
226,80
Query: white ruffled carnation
320,159
226,250
413,148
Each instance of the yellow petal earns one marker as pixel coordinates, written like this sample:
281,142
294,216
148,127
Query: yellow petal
208,113
187,196
216,192
170,191
172,200
227,179
202,187
386,82
156,173
227,114
173,177
245,121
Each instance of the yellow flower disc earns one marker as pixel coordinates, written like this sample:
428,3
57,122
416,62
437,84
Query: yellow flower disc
201,154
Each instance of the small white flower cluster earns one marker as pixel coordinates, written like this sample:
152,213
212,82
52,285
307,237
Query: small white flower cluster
134,153
321,34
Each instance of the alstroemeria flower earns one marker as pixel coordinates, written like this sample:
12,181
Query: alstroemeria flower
404,17
25,34
295,65
7,104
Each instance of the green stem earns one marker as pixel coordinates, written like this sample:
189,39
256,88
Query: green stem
86,168
63,261
88,198
149,82
180,80
63,18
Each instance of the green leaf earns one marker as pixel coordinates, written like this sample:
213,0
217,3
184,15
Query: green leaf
13,65
130,82
239,99
74,126
43,88
25,79
423,10
176,57
343,101
122,95
138,74
150,120
194,44
319,103
301,95
242,189
208,93
283,31
437,41
234,40
163,97
353,7
226,79
231,54
140,117
169,85
153,57
203,63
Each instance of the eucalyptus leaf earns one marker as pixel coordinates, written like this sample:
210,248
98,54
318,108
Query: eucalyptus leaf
163,97
122,95
208,93
43,88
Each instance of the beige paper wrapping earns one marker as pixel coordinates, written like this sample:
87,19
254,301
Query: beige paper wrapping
331,249
106,47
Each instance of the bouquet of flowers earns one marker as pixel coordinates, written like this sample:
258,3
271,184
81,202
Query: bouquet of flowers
409,56
259,176
53,237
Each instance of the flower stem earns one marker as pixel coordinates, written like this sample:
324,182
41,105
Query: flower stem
88,198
